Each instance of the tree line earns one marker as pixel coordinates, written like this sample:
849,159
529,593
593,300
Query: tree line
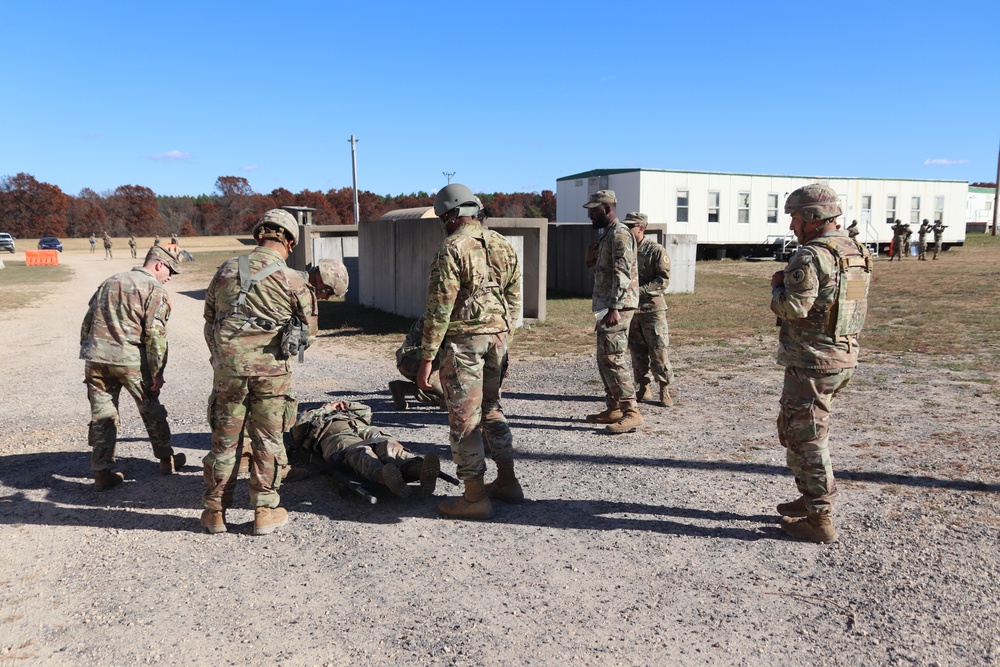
30,208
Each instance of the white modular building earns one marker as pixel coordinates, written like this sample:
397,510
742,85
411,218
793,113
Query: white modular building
979,217
734,214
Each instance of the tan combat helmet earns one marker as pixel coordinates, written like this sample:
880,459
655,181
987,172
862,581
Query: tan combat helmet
813,202
333,273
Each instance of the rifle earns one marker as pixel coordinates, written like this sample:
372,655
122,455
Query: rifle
448,478
347,484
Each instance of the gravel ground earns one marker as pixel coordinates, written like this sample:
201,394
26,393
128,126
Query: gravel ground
658,547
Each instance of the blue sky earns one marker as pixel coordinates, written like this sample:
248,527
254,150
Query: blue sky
510,96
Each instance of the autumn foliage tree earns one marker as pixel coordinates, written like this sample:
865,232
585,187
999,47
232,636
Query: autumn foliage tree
29,208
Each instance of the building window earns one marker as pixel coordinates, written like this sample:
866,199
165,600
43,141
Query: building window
682,206
914,210
938,209
713,206
743,207
772,208
890,209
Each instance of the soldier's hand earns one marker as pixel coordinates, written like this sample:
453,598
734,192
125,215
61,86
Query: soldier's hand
777,279
424,375
156,384
591,254
612,318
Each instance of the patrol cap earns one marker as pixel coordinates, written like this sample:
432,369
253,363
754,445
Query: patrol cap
636,220
333,273
601,197
160,254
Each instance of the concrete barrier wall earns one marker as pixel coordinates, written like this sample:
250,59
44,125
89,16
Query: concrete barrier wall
568,272
395,258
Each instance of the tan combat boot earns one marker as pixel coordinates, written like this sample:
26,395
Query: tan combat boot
796,508
505,487
266,520
665,398
169,464
474,504
815,528
214,521
105,479
390,476
609,416
429,469
631,419
399,391
642,392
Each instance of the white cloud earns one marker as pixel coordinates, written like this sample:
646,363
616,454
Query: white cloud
251,167
171,156
943,160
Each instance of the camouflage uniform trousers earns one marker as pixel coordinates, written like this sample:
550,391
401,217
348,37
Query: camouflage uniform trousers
804,429
612,356
367,457
897,249
104,385
471,373
923,250
648,343
261,408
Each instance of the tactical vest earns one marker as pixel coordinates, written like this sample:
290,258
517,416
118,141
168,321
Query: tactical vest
846,316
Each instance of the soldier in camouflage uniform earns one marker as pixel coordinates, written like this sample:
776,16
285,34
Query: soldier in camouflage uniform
899,234
249,303
616,295
473,297
131,245
925,228
408,358
649,335
124,342
107,247
938,230
820,298
341,432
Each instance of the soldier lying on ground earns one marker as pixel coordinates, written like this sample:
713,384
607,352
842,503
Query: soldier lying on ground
341,432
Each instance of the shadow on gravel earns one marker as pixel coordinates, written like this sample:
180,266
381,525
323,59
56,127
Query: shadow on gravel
520,396
763,469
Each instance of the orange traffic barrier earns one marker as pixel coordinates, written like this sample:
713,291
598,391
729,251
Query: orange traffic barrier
41,257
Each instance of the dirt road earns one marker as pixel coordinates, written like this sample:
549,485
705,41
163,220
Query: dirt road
659,547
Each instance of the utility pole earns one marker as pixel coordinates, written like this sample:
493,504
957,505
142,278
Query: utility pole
996,195
354,171
448,175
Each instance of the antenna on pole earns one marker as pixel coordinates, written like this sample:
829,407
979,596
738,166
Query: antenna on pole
354,170
448,175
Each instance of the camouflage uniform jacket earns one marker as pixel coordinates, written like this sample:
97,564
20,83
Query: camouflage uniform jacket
250,349
474,287
616,276
126,324
922,232
806,300
938,229
654,275
337,430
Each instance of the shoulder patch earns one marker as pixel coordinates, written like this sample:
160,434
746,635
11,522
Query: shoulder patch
796,277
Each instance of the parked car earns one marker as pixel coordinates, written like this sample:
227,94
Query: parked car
6,242
49,243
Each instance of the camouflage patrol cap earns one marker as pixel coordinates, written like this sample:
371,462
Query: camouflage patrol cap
160,254
601,197
636,220
334,275
813,202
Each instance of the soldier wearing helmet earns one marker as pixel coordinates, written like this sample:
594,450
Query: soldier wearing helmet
329,278
248,304
820,299
473,297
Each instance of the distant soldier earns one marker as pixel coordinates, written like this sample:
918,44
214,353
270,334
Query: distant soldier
852,229
649,336
156,241
938,229
258,313
925,228
107,247
614,302
341,432
124,342
899,233
93,244
131,244
173,238
820,298
473,297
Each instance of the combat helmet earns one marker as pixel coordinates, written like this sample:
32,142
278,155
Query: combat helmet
456,195
813,202
333,273
276,217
